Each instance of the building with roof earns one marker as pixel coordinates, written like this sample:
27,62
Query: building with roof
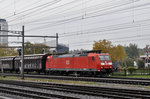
146,59
63,48
3,26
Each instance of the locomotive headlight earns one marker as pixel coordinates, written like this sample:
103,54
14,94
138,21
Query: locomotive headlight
110,63
102,63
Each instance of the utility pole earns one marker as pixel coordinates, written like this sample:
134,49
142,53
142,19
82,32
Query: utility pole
45,44
57,42
22,54
21,34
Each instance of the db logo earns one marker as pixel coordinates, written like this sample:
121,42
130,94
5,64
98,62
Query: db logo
67,62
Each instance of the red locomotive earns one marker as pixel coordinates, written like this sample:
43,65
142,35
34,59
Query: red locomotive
91,63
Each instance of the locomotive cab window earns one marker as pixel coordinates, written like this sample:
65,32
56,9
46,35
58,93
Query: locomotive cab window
93,58
105,57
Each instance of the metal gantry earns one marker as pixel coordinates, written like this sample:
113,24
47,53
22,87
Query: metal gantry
21,34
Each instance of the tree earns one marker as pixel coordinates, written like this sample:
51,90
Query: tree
132,51
34,48
129,62
77,51
7,52
28,48
116,52
140,64
11,52
103,45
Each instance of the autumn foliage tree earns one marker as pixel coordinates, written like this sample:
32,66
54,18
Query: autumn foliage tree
31,48
116,52
7,52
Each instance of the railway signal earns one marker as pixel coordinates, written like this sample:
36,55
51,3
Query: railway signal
147,55
19,52
43,51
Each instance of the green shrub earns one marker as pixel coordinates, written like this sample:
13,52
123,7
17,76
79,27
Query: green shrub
129,62
141,64
131,69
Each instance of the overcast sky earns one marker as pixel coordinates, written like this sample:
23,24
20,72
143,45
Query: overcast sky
80,22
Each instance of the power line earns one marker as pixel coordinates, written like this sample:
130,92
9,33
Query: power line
73,19
127,37
107,8
73,12
117,18
25,47
46,10
89,43
28,36
37,7
107,28
35,11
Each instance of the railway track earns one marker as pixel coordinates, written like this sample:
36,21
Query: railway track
31,94
134,81
148,79
77,89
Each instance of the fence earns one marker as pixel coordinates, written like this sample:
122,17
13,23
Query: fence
125,72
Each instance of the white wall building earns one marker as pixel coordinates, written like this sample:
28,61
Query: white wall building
146,60
3,26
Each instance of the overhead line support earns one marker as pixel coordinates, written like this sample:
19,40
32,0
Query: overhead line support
21,34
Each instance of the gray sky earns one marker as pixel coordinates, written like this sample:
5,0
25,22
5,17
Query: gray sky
80,22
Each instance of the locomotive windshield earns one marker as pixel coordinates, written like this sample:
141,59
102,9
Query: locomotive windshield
105,57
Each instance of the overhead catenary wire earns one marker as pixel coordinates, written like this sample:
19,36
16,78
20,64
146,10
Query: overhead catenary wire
59,6
119,41
114,19
81,16
108,28
126,37
27,15
71,20
56,21
37,7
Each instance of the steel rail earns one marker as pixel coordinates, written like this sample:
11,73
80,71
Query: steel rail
85,90
32,94
134,81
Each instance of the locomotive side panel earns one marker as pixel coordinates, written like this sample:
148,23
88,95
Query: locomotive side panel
92,63
63,64
80,63
75,63
67,63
